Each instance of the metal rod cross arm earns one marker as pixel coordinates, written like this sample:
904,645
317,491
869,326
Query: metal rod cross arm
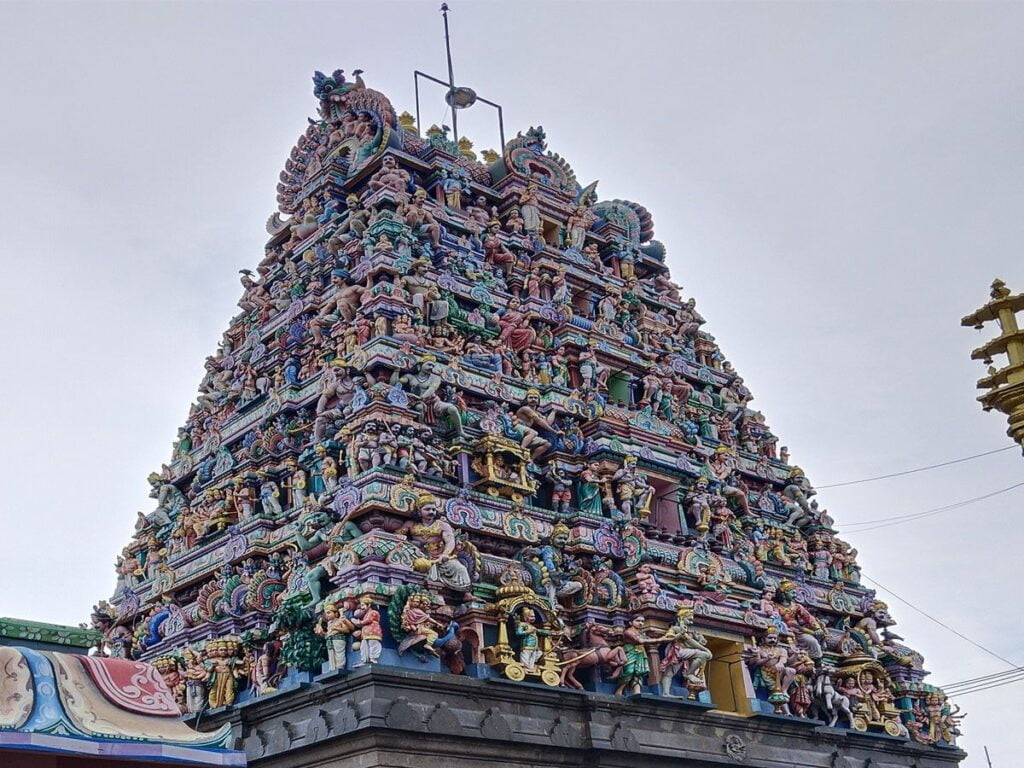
417,74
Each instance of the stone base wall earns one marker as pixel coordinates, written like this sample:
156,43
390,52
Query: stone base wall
377,717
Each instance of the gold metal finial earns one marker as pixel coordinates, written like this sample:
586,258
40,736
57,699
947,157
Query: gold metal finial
1005,386
408,123
999,289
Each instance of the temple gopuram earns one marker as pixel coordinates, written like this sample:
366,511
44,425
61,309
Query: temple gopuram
468,482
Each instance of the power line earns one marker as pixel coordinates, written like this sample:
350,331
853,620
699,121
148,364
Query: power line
886,522
978,689
915,515
912,471
983,679
942,624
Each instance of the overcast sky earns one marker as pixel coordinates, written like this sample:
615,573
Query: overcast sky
837,184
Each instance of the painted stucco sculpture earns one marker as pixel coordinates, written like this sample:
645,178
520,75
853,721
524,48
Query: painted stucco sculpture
464,420
78,705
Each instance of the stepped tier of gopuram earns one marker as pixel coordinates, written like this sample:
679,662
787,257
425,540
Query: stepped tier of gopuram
468,481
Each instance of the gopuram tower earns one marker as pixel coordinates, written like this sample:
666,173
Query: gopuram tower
468,482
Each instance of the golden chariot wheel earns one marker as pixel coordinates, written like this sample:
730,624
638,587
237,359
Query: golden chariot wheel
860,723
492,490
515,672
892,727
550,677
517,497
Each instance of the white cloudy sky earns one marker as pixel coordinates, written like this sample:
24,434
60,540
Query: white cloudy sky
836,184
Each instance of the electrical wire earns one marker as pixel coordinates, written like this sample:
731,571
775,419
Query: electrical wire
886,522
984,680
913,471
942,624
980,688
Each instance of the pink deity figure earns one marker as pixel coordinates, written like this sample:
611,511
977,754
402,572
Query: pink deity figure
390,177
578,223
419,219
514,223
532,285
646,586
495,252
516,331
477,216
370,632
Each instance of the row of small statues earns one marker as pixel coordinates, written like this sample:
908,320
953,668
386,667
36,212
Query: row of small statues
621,496
857,695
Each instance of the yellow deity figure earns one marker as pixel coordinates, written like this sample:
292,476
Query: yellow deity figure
223,671
437,538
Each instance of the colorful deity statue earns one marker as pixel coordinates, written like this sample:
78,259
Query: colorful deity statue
687,654
631,491
699,501
770,661
370,632
437,538
529,637
528,208
419,624
589,493
424,384
635,642
336,626
552,570
195,675
224,669
805,627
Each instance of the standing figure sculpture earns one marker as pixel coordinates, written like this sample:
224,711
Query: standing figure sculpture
195,675
807,630
638,665
529,210
578,223
687,653
632,491
370,632
224,670
589,493
770,660
336,627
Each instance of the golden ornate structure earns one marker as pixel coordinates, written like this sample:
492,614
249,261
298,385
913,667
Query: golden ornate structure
502,465
515,602
1005,385
865,682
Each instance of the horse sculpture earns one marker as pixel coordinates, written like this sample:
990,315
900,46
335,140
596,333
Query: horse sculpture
594,651
828,702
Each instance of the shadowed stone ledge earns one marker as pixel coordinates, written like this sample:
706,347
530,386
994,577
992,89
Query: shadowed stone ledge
386,716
